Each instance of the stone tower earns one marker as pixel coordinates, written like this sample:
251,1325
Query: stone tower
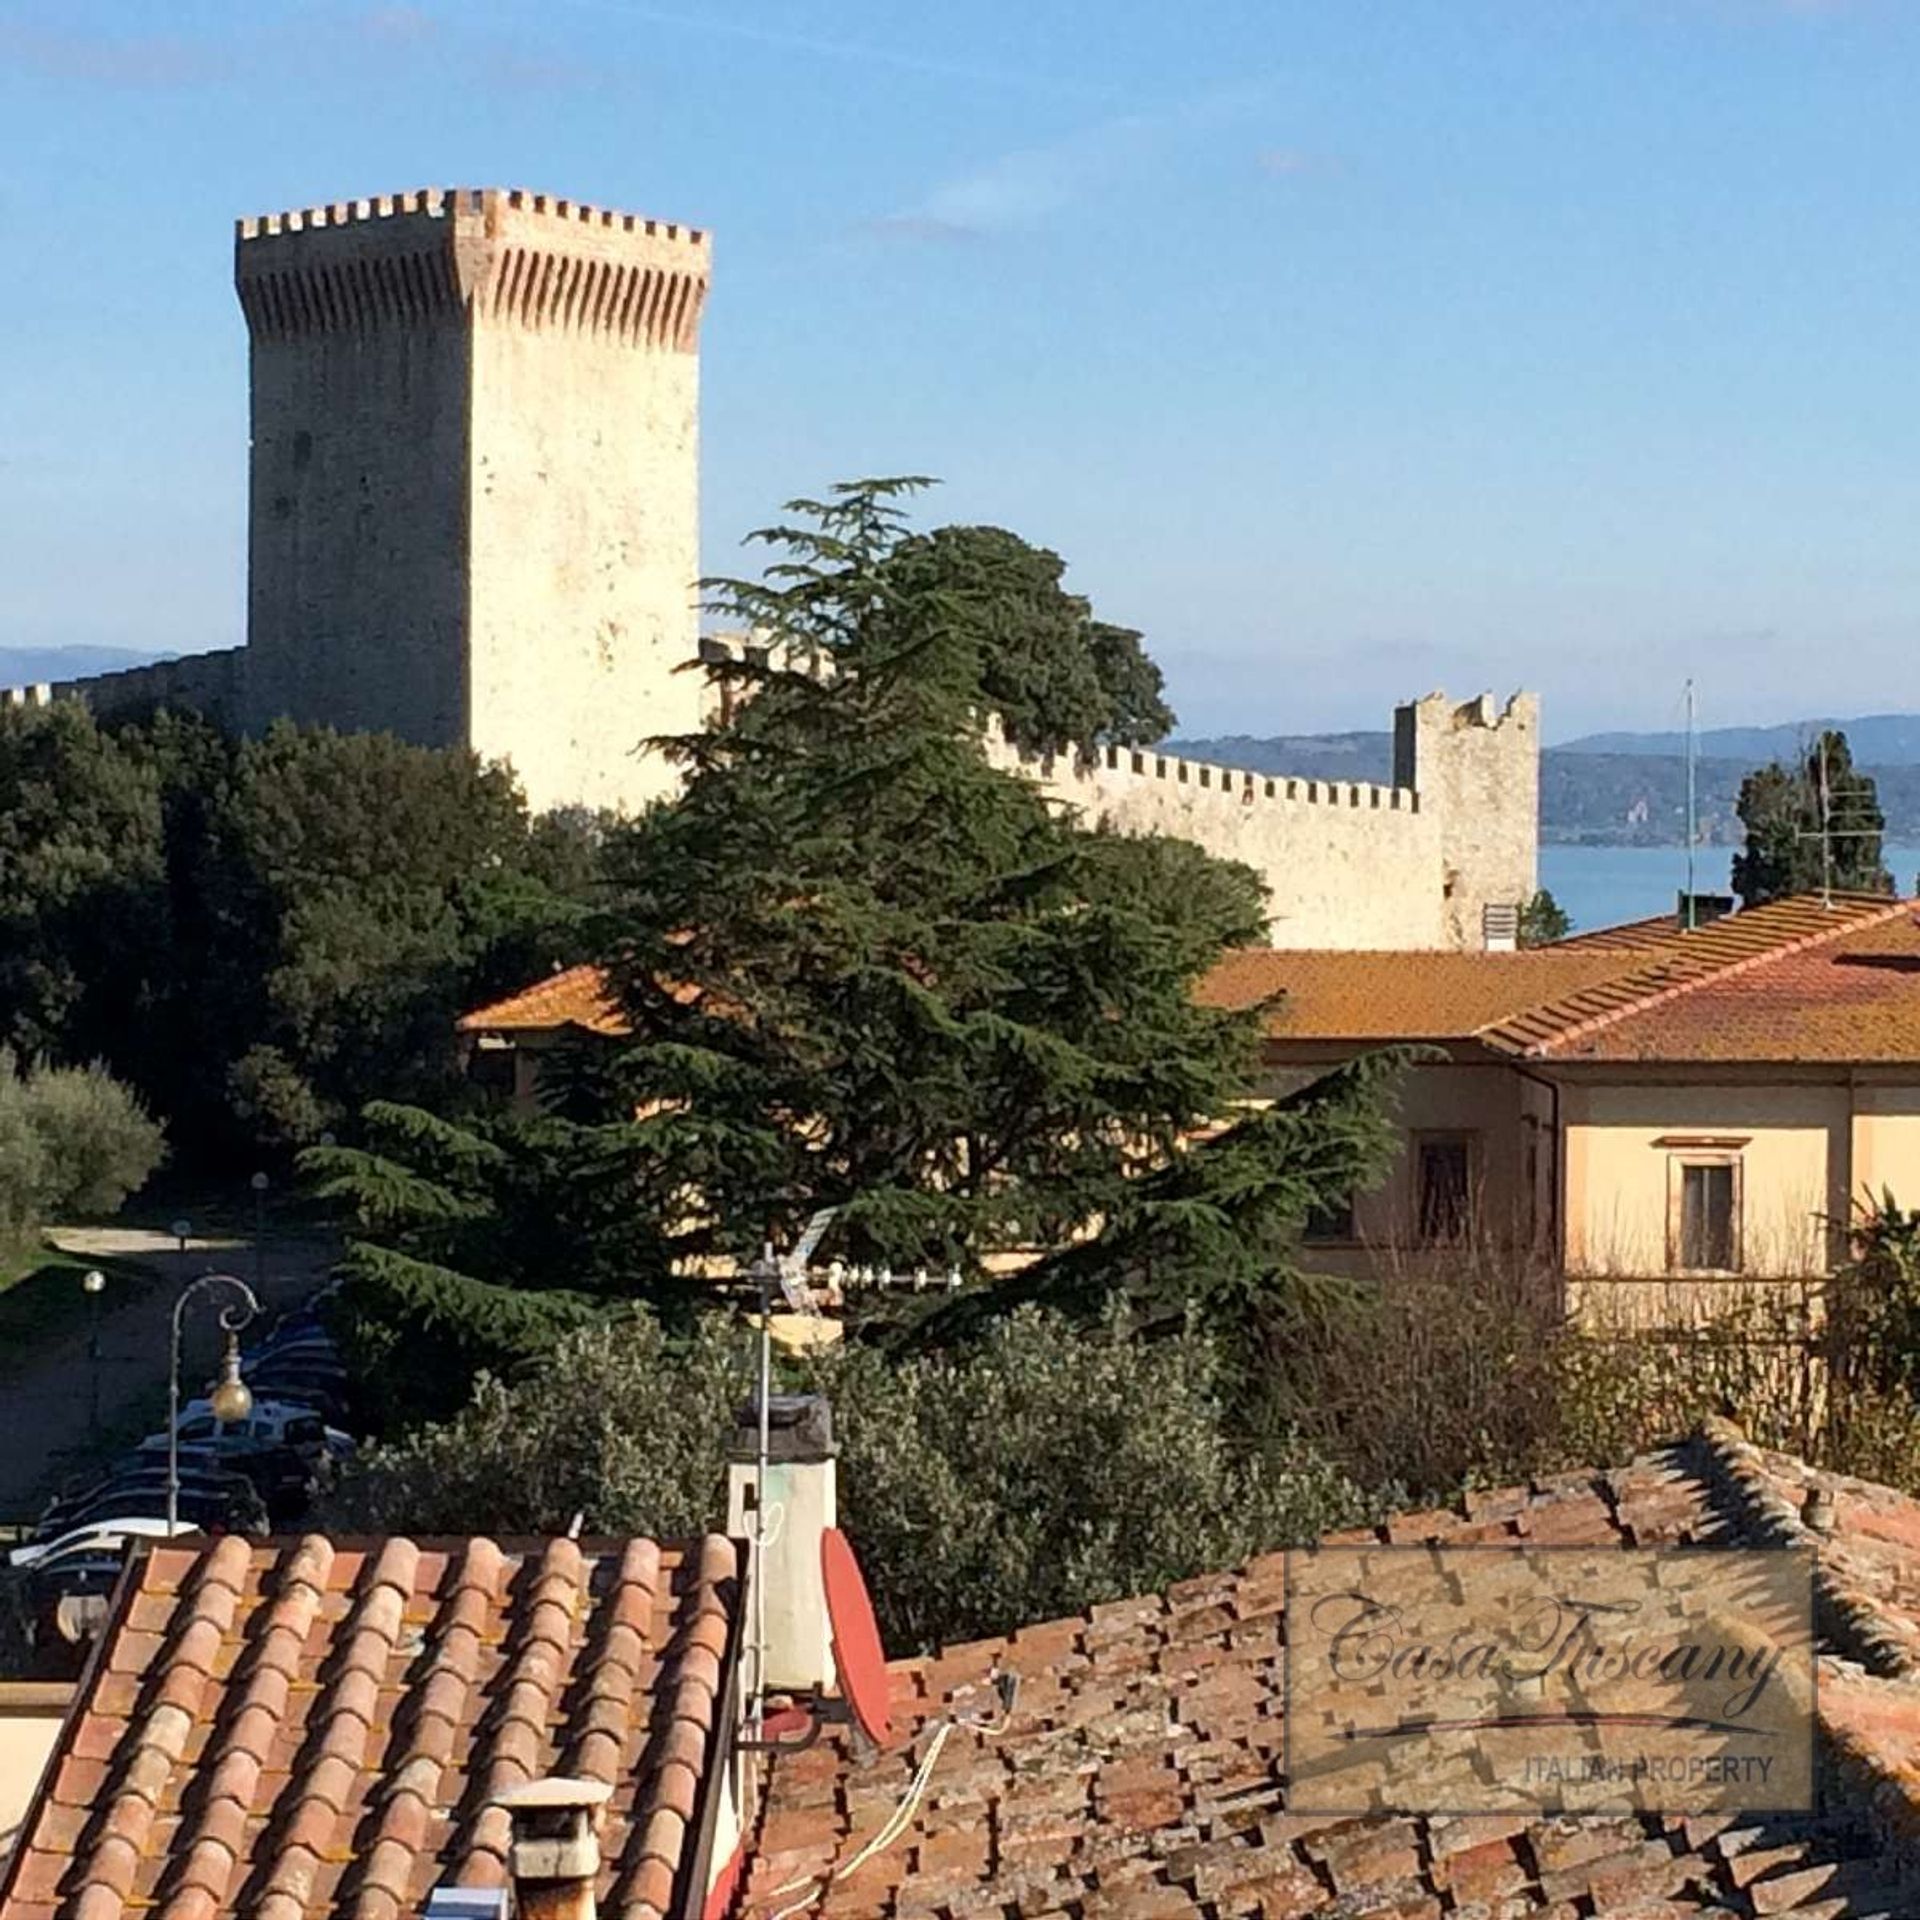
473,516
1476,768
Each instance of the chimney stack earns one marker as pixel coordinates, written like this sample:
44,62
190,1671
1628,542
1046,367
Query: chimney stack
555,1855
802,1504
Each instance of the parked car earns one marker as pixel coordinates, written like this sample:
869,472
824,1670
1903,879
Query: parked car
219,1501
317,1386
100,1538
274,1422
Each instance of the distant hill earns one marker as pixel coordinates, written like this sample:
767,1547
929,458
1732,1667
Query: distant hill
1603,795
1877,739
1307,756
28,666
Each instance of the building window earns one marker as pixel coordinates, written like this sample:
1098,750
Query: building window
1446,1188
1330,1223
1704,1216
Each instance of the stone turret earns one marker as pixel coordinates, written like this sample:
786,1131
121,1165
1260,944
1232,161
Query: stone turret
474,485
1476,768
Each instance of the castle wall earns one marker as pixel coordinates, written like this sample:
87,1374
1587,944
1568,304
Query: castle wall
1346,865
209,683
1477,771
584,508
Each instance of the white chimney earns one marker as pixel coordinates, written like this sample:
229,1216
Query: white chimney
554,1857
801,1504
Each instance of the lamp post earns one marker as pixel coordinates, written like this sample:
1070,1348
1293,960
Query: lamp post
93,1284
182,1230
259,1184
232,1398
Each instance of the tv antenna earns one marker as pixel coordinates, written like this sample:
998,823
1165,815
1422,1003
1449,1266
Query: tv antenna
1831,828
788,1272
1693,810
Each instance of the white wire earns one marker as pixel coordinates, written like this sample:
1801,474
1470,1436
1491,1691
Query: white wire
897,1824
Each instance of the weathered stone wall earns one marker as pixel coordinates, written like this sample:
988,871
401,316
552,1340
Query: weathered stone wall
1345,864
585,504
1477,771
357,543
473,515
209,683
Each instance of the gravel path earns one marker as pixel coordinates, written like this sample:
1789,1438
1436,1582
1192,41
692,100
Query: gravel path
46,1410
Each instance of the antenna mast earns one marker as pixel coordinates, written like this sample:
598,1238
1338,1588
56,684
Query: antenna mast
1826,827
1693,821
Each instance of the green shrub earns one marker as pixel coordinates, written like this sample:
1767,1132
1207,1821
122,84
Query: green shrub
1051,1466
1040,1471
614,1423
73,1144
23,1169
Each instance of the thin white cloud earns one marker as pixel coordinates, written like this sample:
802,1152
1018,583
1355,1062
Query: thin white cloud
1022,189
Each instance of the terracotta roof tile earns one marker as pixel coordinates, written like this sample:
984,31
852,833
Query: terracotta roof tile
303,1728
1798,979
577,997
1141,1770
1399,996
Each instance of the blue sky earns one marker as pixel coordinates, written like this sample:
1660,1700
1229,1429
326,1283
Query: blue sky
1347,347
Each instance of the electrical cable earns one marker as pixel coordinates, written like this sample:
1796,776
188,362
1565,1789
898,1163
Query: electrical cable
897,1823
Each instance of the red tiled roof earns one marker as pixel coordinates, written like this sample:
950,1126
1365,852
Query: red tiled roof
1722,953
1400,996
299,1728
1654,931
1141,1770
578,997
1852,997
1799,979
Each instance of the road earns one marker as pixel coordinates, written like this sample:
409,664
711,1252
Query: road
46,1412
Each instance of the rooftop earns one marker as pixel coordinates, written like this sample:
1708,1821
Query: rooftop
305,1727
1802,979
578,997
1140,1774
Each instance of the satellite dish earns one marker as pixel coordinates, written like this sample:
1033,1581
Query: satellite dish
857,1652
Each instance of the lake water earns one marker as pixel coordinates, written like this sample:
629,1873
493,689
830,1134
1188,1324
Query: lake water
1602,886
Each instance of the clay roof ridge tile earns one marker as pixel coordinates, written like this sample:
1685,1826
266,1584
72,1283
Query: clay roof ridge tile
212,1838
1649,987
324,1774
526,1704
159,1739
439,1705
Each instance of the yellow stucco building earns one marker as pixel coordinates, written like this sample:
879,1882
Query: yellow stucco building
1647,1111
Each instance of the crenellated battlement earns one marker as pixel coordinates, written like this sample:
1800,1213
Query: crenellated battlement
526,259
437,203
1240,785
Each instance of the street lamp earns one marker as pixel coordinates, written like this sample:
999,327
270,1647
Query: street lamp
182,1230
93,1284
232,1398
259,1184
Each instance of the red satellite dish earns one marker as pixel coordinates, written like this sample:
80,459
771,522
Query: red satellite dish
857,1652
